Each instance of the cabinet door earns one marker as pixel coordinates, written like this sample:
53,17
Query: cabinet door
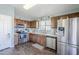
41,40
25,24
18,21
38,39
30,37
15,22
54,22
33,24
15,39
28,24
33,37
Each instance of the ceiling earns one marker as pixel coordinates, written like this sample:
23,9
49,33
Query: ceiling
40,10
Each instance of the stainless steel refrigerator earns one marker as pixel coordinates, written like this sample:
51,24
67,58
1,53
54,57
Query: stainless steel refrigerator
68,36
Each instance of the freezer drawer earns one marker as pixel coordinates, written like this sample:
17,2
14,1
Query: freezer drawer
51,43
67,49
71,49
61,48
78,50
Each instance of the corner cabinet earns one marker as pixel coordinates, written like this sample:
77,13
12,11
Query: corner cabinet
37,38
54,22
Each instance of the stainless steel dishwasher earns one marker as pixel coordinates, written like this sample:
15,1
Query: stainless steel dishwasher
51,42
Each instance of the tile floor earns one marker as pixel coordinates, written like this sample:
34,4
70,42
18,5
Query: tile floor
26,49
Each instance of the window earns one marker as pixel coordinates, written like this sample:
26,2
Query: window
48,22
48,28
45,25
42,23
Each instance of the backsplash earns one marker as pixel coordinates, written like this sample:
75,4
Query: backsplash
44,26
52,31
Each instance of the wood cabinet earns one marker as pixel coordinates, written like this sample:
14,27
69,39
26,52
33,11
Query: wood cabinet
41,40
19,21
15,22
37,38
25,23
28,24
15,39
54,22
32,24
32,37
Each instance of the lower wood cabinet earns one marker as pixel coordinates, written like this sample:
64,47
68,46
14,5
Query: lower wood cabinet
41,40
32,37
37,38
15,39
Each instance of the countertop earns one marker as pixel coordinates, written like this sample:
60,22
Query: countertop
47,35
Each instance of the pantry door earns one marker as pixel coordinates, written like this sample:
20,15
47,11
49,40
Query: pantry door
5,31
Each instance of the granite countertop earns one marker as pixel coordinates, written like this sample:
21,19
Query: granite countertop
47,35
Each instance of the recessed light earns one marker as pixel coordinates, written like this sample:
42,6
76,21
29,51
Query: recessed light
28,6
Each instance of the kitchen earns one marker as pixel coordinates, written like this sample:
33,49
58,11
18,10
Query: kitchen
47,32
38,35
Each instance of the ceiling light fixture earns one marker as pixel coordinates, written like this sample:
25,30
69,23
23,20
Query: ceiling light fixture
28,6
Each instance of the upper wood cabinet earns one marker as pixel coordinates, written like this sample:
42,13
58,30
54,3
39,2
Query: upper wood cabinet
18,21
53,22
27,24
32,24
